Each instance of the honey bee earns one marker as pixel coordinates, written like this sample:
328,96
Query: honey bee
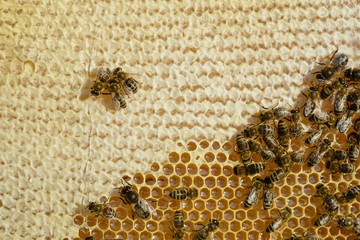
319,153
297,156
348,222
317,135
337,167
336,64
339,155
251,131
128,83
140,206
254,146
357,125
243,149
267,155
331,200
254,193
325,218
328,89
89,238
203,233
184,193
340,99
296,127
353,74
101,81
271,142
308,235
353,95
345,121
274,113
178,226
353,149
282,158
101,210
268,195
310,104
352,193
264,129
323,117
278,174
250,169
280,220
283,134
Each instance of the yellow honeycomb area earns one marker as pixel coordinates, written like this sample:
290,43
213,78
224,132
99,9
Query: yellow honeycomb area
208,167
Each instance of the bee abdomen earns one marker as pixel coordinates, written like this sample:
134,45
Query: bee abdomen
255,168
178,194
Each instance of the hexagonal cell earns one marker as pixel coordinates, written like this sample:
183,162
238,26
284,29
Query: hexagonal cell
215,145
115,225
133,235
280,202
209,157
185,157
286,191
204,144
191,146
305,222
91,221
139,225
216,193
210,204
221,182
180,169
174,181
144,192
222,204
109,234
322,232
246,225
192,169
121,213
205,215
174,157
204,170
168,169
151,226
103,223
162,181
138,178
215,170
234,157
210,182
227,171
97,233
155,167
84,232
221,157
127,225
78,220
251,214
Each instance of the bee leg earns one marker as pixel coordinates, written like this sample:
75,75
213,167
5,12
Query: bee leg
304,94
133,214
123,200
334,54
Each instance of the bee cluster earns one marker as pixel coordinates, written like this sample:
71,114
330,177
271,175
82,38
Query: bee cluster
115,83
284,139
330,109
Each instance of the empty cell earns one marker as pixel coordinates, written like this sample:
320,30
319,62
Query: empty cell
199,205
144,192
168,169
78,220
285,191
156,192
97,233
223,204
204,144
138,178
205,215
185,157
139,225
121,213
192,169
91,220
115,225
133,235
204,170
210,204
313,178
297,190
221,157
151,226
216,193
209,157
228,193
162,181
173,157
204,193
246,225
155,167
215,170
253,235
180,169
309,189
174,181
227,171
234,181
191,146
235,226
229,215
322,232
103,223
229,236
127,224
305,222
145,235
215,145
210,182
291,202
251,214
109,234
221,182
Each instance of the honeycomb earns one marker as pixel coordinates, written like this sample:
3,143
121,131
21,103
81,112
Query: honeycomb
206,68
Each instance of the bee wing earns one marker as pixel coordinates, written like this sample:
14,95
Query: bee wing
116,102
147,205
339,104
316,137
324,116
309,108
344,123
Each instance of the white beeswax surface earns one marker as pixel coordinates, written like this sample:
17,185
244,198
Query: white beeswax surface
205,69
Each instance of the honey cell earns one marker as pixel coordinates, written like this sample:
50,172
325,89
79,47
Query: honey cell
234,226
251,214
157,215
194,215
158,236
121,235
347,177
127,224
168,169
156,192
84,232
290,180
144,192
139,225
229,215
216,193
162,181
204,170
187,205
174,204
310,211
174,181
209,157
313,178
280,202
221,182
114,201
228,193
240,215
115,225
174,157
145,235
234,204
215,170
133,235
199,205
322,232
78,220
97,233
150,179
210,204
215,145
246,225
164,226
305,222
151,226
319,167
204,144
227,171
224,227
191,146
210,182
234,157
221,157
253,235
297,190
241,235
198,182
285,191
287,233
138,178
192,169
103,223
180,169
121,213
91,221
292,201
185,157
229,236
222,204
234,181
155,167
205,215
186,180
259,225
